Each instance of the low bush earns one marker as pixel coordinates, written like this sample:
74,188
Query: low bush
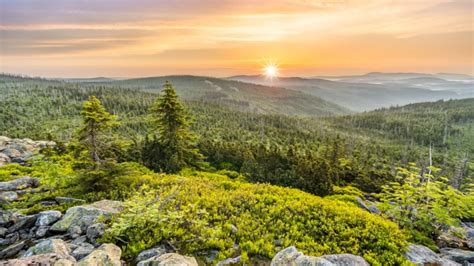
205,212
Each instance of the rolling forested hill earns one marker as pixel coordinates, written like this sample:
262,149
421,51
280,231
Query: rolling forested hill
311,154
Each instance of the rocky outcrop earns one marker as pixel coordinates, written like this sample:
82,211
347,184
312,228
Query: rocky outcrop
74,236
292,257
20,150
169,259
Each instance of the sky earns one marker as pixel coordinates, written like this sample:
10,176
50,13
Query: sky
118,38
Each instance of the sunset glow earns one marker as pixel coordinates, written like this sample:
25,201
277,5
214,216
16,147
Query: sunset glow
221,38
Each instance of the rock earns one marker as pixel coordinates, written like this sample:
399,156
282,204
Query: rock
346,260
458,255
82,250
74,231
421,255
152,252
3,231
56,246
17,184
291,256
234,229
169,259
43,259
48,217
4,159
85,215
42,231
66,200
95,231
107,254
230,262
10,239
24,222
12,250
79,240
370,208
6,218
8,196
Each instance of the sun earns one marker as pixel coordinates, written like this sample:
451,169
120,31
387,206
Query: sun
271,71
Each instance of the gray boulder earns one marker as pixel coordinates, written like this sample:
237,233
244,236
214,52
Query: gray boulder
169,259
458,255
42,259
56,246
23,222
421,255
346,260
8,196
48,217
105,255
17,184
6,218
12,250
292,257
85,215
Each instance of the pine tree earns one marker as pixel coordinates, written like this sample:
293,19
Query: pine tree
173,145
96,121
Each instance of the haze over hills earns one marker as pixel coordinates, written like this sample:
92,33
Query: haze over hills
375,90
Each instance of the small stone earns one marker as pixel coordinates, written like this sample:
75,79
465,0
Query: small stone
6,218
82,250
230,262
152,252
24,222
48,217
95,231
66,200
74,231
42,231
79,240
3,231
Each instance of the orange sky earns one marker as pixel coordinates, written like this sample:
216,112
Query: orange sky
117,38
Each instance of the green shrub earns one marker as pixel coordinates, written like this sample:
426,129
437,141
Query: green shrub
197,214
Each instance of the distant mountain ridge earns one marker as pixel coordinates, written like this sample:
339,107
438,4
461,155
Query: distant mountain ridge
373,90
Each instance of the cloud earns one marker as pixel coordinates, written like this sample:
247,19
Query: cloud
235,34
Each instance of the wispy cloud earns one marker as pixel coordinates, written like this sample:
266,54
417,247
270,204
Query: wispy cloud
174,36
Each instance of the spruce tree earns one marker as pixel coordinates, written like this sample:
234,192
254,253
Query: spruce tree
96,121
172,145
